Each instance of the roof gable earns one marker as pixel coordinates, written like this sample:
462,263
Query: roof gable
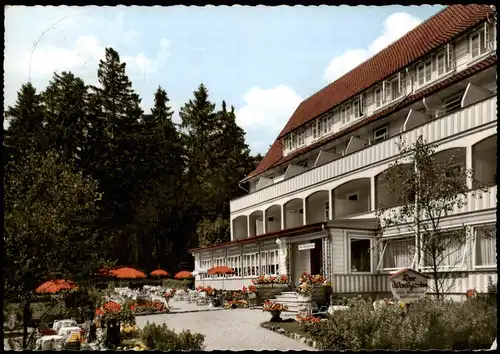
436,31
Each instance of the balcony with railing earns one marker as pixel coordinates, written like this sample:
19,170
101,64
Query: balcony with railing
437,130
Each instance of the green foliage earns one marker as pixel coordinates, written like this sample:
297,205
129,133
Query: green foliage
152,183
176,283
427,324
160,337
426,186
213,232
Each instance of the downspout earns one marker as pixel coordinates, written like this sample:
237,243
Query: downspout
239,185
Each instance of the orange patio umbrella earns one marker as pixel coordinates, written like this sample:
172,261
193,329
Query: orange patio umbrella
184,274
128,273
53,286
159,273
104,272
220,270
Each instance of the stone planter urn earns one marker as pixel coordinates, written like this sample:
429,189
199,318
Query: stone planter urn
304,298
275,316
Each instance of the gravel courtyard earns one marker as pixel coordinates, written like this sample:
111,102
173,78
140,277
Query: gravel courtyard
237,329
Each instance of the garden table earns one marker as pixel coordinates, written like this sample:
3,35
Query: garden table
63,323
52,342
66,332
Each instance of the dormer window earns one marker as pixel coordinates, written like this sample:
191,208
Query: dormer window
326,124
441,63
477,44
378,97
424,73
316,129
301,137
345,114
355,109
395,91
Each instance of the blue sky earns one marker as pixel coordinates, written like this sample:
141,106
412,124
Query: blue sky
262,60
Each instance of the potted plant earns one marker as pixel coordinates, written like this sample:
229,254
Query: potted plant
275,309
304,291
168,295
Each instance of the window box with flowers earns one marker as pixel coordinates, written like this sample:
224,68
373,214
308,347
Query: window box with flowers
268,286
312,288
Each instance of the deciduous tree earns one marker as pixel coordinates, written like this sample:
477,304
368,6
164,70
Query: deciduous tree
428,190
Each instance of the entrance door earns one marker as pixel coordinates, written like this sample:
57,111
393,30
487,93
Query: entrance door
317,257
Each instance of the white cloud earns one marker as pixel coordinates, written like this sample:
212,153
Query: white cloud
265,113
58,45
395,26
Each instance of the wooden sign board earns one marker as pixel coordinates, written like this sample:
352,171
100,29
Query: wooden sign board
306,246
408,285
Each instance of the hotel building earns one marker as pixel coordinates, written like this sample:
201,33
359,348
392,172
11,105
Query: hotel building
312,200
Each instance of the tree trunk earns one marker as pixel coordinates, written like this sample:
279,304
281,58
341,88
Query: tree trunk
26,321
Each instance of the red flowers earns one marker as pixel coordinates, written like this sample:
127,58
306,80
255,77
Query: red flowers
471,293
252,289
112,306
273,306
158,306
267,279
307,319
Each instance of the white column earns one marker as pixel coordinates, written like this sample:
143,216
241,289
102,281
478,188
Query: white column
259,249
231,229
330,205
248,225
304,211
373,204
241,262
264,222
282,208
468,164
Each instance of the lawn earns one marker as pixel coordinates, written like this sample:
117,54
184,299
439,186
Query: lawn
290,325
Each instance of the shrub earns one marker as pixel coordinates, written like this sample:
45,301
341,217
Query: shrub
160,337
426,324
176,284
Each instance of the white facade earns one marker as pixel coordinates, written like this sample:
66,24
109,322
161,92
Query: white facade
342,182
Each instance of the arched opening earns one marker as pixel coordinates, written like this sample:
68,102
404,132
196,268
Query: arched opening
240,229
256,220
273,218
352,198
294,213
389,194
484,161
317,207
454,158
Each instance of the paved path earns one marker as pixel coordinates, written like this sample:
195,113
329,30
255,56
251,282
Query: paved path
237,329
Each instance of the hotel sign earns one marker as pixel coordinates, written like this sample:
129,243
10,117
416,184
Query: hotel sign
408,285
306,246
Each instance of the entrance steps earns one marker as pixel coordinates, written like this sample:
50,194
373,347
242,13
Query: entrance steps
291,300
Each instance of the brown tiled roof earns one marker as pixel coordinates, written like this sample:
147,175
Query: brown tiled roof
436,31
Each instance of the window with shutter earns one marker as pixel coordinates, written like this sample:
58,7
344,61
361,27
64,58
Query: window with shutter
395,89
450,60
378,97
355,109
440,64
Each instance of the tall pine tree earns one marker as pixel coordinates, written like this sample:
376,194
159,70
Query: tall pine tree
26,130
65,102
116,112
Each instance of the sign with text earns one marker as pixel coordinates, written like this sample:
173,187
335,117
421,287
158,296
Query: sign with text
306,246
408,285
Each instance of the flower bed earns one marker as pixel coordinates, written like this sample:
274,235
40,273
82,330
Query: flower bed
233,304
148,308
270,279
